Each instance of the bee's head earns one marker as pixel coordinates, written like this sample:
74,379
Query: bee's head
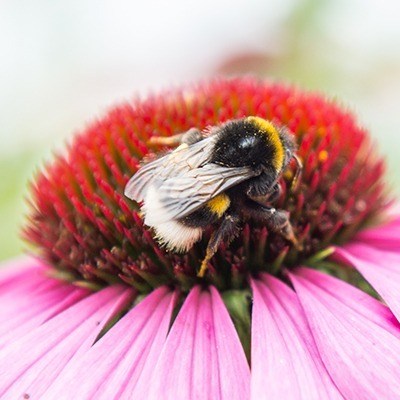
254,142
279,139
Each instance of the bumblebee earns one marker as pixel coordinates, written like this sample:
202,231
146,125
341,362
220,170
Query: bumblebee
220,178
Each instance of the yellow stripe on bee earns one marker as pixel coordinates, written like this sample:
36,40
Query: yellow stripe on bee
269,129
219,204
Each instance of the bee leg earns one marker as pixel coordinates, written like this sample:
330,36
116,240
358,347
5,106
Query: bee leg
299,171
275,193
276,220
270,197
279,223
193,135
226,232
260,188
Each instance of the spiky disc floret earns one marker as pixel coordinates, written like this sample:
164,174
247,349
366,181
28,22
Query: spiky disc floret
83,225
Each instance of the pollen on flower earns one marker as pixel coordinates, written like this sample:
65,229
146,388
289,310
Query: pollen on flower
83,225
323,156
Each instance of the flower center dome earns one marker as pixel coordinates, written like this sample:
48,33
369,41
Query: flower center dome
83,225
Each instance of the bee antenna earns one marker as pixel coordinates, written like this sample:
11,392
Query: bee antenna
298,173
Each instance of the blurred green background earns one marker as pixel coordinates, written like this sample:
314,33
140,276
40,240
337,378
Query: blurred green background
64,63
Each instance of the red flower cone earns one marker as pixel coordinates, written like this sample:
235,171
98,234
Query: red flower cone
105,312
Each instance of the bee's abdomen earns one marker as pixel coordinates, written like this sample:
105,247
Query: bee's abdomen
219,204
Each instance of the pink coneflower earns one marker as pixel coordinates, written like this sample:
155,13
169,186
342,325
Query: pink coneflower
104,313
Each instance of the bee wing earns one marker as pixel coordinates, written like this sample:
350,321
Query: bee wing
185,193
175,163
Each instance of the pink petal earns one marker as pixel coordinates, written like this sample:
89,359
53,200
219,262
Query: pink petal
285,361
27,315
13,300
202,357
18,277
393,211
362,358
16,267
380,268
358,300
31,363
123,356
386,237
28,298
